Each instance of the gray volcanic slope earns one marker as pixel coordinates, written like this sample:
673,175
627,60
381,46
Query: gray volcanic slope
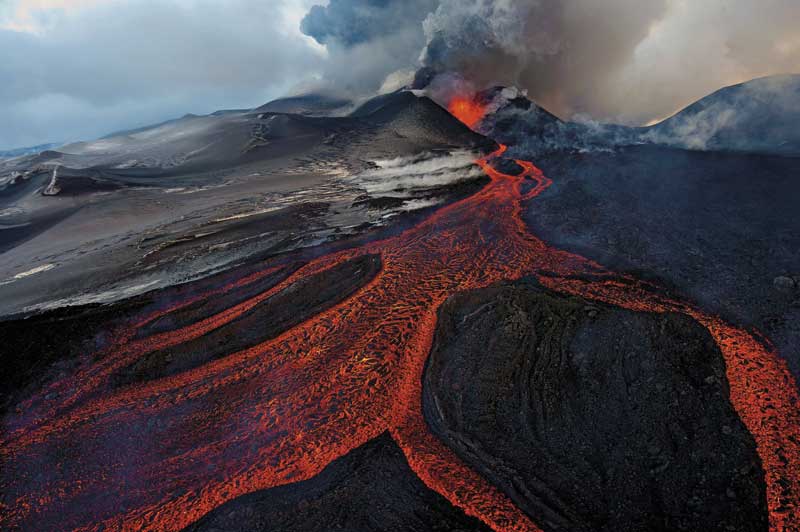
761,115
590,417
147,208
307,104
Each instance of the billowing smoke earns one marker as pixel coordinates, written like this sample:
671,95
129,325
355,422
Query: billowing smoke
372,44
628,61
561,51
352,22
700,46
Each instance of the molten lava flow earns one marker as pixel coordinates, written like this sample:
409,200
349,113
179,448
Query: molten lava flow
467,110
159,455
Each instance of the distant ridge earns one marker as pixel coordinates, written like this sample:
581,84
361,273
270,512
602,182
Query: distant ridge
762,115
758,116
29,150
307,104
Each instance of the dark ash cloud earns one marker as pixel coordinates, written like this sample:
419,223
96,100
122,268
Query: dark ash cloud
562,52
368,41
352,22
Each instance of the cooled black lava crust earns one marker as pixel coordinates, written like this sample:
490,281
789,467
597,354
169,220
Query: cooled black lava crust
590,417
370,489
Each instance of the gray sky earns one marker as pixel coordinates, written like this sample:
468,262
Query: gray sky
78,69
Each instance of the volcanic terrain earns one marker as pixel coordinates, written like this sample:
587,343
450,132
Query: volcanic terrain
307,317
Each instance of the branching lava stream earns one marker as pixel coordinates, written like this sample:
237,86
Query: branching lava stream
158,455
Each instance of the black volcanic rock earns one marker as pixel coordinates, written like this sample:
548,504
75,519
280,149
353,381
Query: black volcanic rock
38,347
204,308
371,489
761,115
417,118
715,227
526,127
590,417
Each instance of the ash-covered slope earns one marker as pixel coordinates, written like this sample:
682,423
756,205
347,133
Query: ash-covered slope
152,206
28,150
192,144
198,144
417,118
308,104
762,115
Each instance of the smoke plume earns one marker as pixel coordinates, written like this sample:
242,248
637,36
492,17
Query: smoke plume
370,43
627,61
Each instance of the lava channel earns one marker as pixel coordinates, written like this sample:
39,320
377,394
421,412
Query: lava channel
158,455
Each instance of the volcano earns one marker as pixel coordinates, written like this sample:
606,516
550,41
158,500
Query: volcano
383,321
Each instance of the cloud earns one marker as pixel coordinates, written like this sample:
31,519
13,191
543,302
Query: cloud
79,70
702,46
33,15
352,22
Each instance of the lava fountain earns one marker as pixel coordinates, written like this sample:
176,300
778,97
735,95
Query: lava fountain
467,110
158,455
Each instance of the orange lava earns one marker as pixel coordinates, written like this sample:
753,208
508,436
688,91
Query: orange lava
159,455
467,110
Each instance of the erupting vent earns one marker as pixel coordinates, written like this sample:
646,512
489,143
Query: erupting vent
467,110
